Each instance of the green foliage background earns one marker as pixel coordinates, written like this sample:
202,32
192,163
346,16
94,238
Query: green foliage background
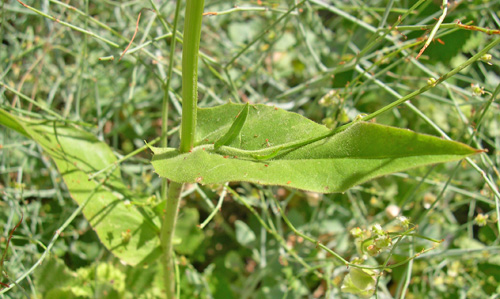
306,63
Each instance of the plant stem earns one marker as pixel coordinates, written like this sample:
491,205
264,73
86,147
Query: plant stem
172,198
166,88
191,45
167,235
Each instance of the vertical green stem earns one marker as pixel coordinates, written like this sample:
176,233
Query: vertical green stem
167,235
191,45
172,200
166,87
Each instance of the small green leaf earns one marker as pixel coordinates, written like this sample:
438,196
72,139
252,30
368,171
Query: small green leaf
234,130
333,164
244,235
359,282
77,154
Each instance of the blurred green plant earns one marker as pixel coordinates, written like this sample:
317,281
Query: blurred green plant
263,144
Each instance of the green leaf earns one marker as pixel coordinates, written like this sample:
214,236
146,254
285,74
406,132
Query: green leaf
244,235
77,154
359,282
334,164
264,126
53,274
234,130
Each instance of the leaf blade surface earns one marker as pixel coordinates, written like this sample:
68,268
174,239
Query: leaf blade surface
78,153
334,164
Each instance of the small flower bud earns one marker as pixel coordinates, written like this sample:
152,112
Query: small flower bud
383,242
372,250
477,90
330,99
377,230
357,260
356,232
405,222
486,58
360,116
431,81
481,219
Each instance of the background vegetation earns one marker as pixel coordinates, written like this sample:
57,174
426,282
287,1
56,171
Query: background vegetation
329,61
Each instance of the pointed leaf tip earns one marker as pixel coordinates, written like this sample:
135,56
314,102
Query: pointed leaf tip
234,130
